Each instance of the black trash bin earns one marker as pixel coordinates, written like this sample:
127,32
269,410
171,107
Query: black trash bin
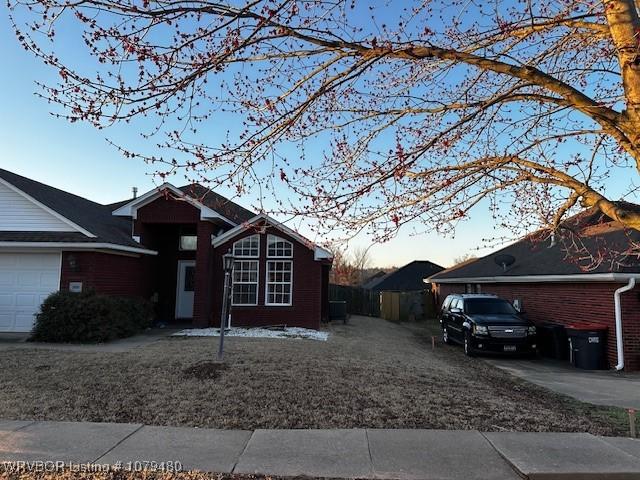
338,310
552,341
588,346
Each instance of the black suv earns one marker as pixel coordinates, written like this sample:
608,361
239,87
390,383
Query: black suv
486,323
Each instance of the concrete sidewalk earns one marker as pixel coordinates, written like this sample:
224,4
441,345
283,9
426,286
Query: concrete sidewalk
358,453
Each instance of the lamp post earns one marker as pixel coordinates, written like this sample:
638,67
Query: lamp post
227,265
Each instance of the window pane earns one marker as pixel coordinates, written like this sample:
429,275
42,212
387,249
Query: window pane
245,282
247,247
278,247
189,278
279,282
188,242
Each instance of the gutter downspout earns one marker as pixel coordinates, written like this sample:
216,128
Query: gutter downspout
618,310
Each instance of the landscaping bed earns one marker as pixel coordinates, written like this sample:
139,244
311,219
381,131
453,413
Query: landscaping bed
370,373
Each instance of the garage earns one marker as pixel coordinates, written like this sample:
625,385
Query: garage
26,279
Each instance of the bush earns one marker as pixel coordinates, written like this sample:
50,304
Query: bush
90,318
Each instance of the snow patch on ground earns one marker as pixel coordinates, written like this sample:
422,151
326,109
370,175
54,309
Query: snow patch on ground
290,332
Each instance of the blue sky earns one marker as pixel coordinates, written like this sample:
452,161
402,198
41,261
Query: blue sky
76,158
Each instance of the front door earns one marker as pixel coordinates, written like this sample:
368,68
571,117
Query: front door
185,288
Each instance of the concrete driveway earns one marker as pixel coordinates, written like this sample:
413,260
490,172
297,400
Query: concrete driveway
601,387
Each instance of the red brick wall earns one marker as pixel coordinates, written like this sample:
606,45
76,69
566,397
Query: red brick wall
306,308
204,286
572,302
167,210
106,273
159,225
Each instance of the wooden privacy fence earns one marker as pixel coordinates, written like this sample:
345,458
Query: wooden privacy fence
359,301
406,306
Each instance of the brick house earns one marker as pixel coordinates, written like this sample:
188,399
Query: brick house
165,245
555,285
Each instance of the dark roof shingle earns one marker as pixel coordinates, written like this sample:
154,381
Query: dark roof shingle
98,219
225,207
406,279
601,242
91,216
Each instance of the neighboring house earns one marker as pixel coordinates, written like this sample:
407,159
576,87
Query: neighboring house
372,279
409,278
555,283
165,245
403,293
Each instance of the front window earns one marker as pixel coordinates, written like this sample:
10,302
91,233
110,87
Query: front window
245,272
278,247
279,282
245,282
188,242
247,247
488,306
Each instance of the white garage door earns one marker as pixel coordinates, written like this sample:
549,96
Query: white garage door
26,279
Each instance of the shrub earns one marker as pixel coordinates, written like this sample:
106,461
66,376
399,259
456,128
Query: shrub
88,317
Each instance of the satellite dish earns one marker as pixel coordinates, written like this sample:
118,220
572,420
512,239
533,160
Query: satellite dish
504,260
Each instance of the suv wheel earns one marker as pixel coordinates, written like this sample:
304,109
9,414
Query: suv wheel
467,344
445,336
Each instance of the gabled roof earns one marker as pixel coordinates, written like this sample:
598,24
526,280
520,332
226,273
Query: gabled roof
319,252
373,280
230,210
406,279
539,257
210,204
94,221
107,226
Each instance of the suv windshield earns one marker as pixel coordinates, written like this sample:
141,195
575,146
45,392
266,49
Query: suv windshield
484,306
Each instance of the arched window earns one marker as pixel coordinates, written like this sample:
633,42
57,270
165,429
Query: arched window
278,247
248,247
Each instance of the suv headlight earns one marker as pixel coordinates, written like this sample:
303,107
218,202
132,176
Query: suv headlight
480,330
531,330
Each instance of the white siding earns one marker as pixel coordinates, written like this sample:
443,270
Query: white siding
20,214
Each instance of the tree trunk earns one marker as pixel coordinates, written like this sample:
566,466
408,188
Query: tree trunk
624,25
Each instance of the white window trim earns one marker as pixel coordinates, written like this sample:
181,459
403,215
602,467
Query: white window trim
319,253
266,285
278,239
257,282
233,247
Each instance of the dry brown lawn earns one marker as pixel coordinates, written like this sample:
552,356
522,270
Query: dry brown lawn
370,373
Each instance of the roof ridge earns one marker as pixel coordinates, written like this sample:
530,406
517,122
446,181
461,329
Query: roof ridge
93,217
45,185
241,213
209,190
477,259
